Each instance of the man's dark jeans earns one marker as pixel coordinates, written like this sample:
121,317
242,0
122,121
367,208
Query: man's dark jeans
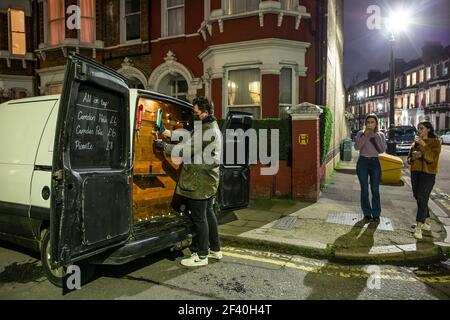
422,184
205,222
365,168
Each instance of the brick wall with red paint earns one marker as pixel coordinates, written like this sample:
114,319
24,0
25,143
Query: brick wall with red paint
276,186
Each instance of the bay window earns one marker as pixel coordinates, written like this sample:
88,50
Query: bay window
56,22
87,28
240,6
285,92
289,4
244,91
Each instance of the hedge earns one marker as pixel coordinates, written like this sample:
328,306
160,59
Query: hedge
284,127
326,128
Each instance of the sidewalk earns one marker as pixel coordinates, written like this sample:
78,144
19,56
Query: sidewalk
329,229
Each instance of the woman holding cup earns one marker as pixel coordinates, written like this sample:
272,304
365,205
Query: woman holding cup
370,143
423,159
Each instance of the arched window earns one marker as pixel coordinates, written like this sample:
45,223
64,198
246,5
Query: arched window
135,83
174,85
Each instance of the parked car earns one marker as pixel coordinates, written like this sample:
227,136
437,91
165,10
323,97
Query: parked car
403,136
80,181
445,138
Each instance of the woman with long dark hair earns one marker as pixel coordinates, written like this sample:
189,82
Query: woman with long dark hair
423,159
370,144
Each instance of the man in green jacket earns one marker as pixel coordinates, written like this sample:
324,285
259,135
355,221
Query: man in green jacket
199,181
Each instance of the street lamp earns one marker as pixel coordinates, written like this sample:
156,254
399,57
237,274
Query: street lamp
397,21
360,96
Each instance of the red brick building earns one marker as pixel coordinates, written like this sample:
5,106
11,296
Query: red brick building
259,56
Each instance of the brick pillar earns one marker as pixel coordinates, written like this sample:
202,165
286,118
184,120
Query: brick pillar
270,97
216,96
305,152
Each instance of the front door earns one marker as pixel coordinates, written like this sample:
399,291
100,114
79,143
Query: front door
91,203
234,187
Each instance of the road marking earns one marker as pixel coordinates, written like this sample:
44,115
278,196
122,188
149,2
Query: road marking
332,269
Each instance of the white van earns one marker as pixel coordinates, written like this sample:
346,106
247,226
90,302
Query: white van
80,181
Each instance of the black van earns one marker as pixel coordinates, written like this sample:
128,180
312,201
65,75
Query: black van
80,181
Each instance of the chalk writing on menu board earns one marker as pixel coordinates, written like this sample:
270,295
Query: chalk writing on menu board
96,137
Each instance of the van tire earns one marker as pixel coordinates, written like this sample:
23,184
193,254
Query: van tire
56,277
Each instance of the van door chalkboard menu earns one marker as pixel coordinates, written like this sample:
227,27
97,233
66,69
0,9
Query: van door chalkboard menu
97,139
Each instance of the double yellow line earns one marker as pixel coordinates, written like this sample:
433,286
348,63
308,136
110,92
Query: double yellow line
332,269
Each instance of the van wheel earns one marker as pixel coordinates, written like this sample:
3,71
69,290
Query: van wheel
56,276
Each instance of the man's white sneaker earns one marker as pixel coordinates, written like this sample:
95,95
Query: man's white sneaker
426,227
215,255
418,234
194,261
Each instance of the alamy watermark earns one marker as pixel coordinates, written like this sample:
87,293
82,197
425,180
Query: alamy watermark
241,147
74,20
374,281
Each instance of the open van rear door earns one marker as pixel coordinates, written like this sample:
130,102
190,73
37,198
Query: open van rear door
234,187
91,203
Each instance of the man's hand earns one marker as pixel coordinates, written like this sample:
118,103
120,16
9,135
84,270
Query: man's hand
159,144
160,129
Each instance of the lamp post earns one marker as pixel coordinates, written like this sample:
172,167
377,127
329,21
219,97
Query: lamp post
360,96
397,21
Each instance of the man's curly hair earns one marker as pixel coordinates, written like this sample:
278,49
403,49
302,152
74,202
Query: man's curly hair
203,104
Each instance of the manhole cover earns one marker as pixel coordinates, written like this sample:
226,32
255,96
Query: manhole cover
351,218
286,223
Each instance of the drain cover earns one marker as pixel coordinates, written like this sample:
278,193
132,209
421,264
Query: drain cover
286,223
351,218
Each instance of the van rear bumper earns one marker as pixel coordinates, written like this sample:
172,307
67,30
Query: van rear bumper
138,248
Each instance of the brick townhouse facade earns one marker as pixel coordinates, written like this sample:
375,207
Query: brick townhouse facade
259,56
422,91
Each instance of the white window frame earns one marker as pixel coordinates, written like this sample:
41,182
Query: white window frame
226,4
294,5
293,89
225,90
123,25
207,9
165,20
176,93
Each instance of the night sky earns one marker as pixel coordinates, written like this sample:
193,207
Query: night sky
366,49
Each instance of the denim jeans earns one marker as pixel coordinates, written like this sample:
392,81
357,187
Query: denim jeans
365,168
422,184
205,222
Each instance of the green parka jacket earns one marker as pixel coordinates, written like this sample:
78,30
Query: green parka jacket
200,181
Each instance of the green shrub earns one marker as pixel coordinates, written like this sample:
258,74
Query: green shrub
326,128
